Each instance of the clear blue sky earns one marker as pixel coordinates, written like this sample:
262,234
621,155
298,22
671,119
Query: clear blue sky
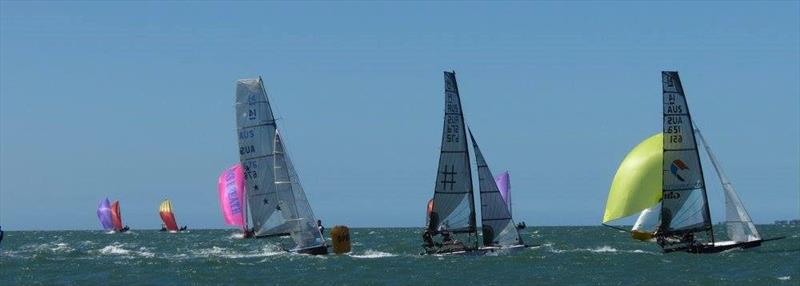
134,101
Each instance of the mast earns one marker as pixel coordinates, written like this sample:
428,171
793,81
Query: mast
683,173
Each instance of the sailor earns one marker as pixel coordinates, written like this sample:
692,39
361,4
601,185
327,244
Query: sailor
320,227
183,228
521,225
427,238
163,228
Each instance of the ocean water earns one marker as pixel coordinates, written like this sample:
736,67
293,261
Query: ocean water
382,256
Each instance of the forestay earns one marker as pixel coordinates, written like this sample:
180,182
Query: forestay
684,201
497,225
301,223
453,207
256,128
740,227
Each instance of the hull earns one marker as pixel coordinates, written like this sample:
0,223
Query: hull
317,250
716,247
461,250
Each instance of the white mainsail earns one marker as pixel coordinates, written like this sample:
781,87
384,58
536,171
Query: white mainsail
256,128
739,226
292,199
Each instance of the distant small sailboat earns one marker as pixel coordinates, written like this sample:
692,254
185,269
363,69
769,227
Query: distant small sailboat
664,176
168,217
277,202
232,198
116,218
451,212
104,215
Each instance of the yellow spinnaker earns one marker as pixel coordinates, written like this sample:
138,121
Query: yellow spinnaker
637,184
166,206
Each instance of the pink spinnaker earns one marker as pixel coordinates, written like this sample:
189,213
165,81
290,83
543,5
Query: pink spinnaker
232,196
504,184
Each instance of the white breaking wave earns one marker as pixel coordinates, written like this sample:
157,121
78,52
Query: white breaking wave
601,249
785,278
50,247
373,254
118,249
215,251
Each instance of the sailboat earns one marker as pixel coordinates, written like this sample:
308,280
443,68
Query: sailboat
278,205
232,198
168,217
503,182
104,215
451,213
116,218
663,178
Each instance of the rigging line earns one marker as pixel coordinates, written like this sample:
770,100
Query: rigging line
690,216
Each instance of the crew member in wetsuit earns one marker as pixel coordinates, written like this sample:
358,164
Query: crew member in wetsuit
446,238
163,228
320,227
427,238
521,225
183,228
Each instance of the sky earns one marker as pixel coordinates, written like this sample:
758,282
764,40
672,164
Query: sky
135,102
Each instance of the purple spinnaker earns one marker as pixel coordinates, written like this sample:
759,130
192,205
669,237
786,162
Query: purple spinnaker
504,184
104,214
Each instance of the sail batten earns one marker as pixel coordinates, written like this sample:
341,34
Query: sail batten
684,200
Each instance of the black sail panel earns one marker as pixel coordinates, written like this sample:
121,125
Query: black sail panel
453,201
496,222
685,203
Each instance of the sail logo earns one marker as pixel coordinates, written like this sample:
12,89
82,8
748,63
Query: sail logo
676,167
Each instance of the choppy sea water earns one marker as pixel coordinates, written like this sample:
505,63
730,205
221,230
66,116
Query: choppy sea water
382,256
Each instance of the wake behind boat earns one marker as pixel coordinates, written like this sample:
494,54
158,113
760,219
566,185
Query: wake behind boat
451,220
675,188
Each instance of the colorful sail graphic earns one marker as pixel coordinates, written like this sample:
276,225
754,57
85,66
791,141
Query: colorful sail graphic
104,214
116,216
167,216
637,184
232,196
503,182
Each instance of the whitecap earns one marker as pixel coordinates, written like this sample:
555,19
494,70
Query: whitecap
373,254
785,278
604,248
